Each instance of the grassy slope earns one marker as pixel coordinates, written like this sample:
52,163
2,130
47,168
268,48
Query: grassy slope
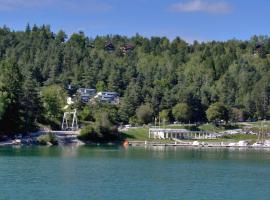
260,126
142,133
136,134
204,127
139,134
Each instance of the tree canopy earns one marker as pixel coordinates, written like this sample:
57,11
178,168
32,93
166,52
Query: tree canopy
217,112
182,112
144,71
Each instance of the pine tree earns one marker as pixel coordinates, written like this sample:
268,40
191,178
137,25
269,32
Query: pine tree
31,103
130,101
11,84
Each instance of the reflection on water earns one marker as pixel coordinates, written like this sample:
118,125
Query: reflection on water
134,173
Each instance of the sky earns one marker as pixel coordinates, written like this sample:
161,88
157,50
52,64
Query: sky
201,20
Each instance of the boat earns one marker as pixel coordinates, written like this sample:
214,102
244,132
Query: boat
232,144
17,142
242,143
258,144
195,143
267,143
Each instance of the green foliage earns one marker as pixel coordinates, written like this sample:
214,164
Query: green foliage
134,121
31,103
130,101
99,110
102,130
46,139
157,71
54,99
144,114
11,94
217,112
3,103
100,86
164,115
86,114
88,133
182,112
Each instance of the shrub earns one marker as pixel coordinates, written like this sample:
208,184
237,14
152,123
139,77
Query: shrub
100,131
88,133
144,114
47,138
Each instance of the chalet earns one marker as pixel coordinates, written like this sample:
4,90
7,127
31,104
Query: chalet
258,48
127,48
107,97
71,90
90,46
86,94
109,46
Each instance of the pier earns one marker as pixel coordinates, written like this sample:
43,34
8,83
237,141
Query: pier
63,137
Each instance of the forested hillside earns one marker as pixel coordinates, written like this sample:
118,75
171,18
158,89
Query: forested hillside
154,76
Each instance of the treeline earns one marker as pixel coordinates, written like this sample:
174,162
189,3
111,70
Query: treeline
154,76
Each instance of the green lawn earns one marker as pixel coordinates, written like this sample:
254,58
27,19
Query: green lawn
204,127
214,128
139,134
260,125
179,126
136,134
174,126
142,133
239,137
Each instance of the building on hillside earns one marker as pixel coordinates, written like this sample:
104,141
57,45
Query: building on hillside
71,90
109,46
127,48
86,94
107,97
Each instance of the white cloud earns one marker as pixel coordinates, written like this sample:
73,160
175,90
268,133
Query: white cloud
6,5
216,7
90,5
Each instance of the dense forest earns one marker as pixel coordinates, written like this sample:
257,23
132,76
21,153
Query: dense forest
154,76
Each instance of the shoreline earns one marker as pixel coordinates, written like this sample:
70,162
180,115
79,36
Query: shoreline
190,144
140,143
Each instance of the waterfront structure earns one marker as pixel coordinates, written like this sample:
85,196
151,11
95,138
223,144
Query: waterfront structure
163,133
66,124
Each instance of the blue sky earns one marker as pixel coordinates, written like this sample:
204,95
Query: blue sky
201,20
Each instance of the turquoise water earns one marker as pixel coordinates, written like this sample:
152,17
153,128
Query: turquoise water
134,173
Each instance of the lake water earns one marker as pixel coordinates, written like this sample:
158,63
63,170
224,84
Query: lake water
135,173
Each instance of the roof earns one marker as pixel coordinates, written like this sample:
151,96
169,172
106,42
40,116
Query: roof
110,93
86,90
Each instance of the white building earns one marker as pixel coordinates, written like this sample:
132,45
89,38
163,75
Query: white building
159,133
